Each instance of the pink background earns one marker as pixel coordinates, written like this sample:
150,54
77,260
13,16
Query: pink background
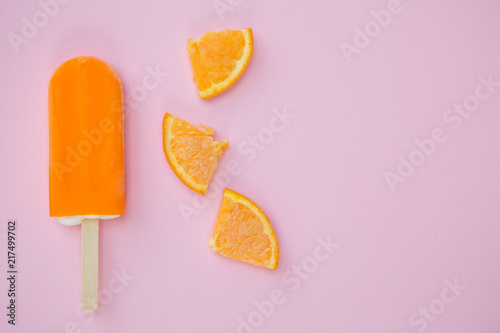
322,175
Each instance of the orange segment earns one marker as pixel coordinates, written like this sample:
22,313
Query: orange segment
219,58
191,152
243,232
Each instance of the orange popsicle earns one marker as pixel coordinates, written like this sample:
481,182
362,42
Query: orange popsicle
86,170
86,167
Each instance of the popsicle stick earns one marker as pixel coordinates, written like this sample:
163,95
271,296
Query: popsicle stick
90,264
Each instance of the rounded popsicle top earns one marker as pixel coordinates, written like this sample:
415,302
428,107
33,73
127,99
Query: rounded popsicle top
84,62
86,159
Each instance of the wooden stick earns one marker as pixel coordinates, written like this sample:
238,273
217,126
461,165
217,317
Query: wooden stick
90,264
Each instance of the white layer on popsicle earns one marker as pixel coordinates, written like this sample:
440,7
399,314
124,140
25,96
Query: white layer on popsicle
75,220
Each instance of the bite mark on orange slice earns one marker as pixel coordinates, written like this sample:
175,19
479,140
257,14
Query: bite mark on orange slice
191,151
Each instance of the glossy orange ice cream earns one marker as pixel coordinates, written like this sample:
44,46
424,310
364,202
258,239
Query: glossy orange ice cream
86,162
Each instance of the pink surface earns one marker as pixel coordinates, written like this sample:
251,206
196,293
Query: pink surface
398,252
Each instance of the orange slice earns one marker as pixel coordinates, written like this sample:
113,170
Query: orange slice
219,58
243,232
191,151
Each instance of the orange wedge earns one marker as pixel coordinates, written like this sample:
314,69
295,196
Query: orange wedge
219,58
191,152
243,232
